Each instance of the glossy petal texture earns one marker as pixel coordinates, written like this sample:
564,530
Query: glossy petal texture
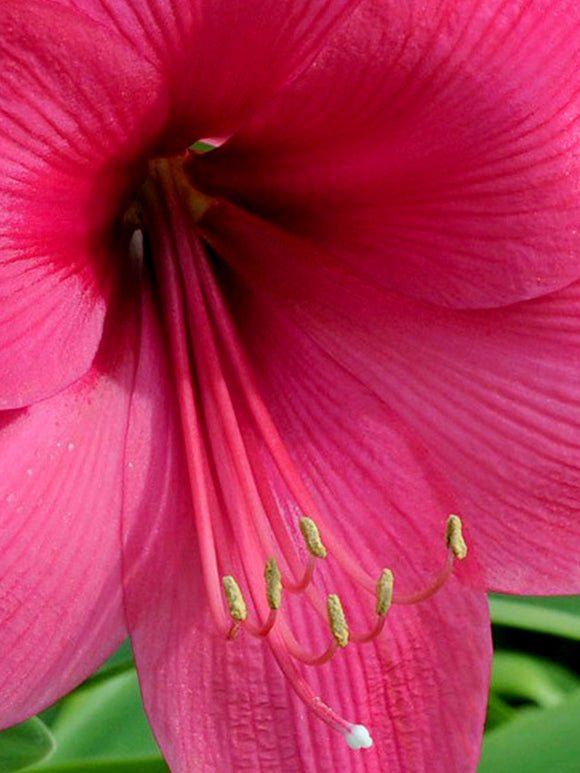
221,58
433,146
61,611
218,705
491,395
68,152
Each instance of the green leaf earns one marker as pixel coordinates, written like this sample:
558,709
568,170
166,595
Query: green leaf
119,663
498,711
536,741
516,675
145,765
103,721
24,745
559,616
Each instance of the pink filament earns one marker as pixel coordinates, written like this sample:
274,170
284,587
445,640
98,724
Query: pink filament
171,291
431,589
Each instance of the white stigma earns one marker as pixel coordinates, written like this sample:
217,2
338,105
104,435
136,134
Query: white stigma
358,738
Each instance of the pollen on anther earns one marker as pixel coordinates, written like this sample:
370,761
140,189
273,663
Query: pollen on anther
337,620
312,538
273,584
236,603
384,592
454,537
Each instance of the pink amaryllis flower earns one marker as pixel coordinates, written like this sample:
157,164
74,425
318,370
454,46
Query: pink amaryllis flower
355,315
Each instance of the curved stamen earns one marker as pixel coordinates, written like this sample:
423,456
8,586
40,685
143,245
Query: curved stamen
304,581
352,733
430,589
299,653
384,600
262,631
456,549
338,628
316,548
376,630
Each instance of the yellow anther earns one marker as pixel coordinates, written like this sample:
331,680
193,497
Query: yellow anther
236,603
454,537
273,584
384,592
337,620
312,538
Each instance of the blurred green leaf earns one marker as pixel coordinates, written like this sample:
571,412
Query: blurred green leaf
119,663
525,677
498,711
24,745
559,616
536,741
103,721
145,765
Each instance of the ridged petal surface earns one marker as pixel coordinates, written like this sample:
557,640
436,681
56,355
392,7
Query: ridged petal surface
61,611
221,58
77,111
433,146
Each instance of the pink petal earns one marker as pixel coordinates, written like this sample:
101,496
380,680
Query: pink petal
434,147
61,610
77,111
491,397
222,58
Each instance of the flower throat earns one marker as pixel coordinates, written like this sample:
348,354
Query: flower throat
260,532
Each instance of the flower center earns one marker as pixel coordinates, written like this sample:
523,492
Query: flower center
261,534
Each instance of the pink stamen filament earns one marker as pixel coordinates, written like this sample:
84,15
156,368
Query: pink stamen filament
268,429
224,431
375,631
305,580
277,524
220,414
221,409
432,588
174,319
305,692
260,631
300,653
